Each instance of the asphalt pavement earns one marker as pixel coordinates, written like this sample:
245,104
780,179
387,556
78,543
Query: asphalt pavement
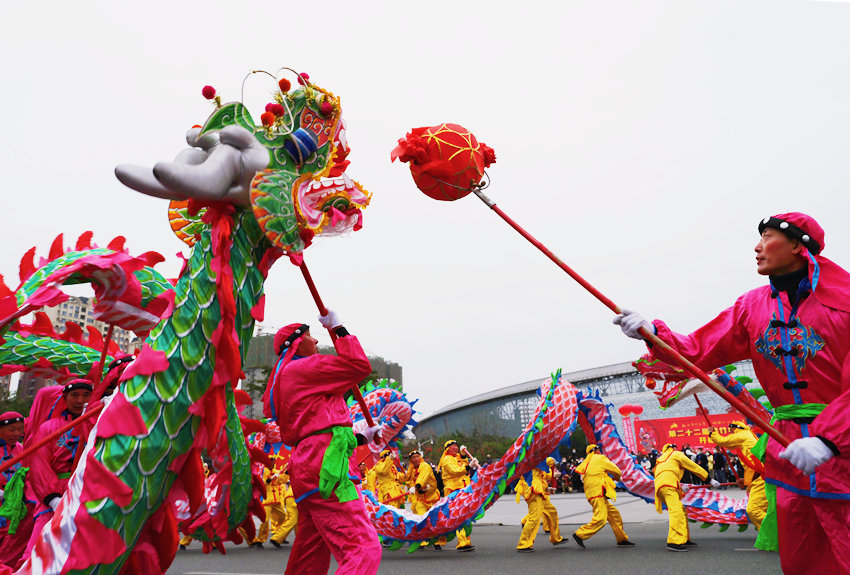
495,538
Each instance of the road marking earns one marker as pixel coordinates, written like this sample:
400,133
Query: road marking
748,549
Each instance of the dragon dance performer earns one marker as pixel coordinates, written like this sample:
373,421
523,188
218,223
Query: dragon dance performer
422,486
744,439
270,528
52,464
455,469
600,493
390,491
669,468
795,331
16,512
551,479
291,510
305,395
537,497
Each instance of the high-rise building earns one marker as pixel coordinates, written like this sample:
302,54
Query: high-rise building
80,310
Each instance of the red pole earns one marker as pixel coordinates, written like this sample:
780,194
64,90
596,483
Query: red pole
52,437
645,333
324,311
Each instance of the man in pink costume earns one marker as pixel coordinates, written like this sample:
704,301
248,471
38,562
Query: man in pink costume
306,396
52,465
796,331
17,521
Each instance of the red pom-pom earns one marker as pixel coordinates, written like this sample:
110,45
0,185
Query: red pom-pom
269,106
285,85
326,108
276,109
303,77
445,160
208,92
267,118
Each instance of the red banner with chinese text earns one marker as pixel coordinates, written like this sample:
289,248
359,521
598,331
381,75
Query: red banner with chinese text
655,433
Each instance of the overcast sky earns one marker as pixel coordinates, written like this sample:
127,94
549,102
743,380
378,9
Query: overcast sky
640,140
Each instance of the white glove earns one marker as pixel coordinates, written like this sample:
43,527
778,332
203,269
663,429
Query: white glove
807,453
412,490
684,487
54,503
474,463
631,322
370,432
331,320
463,449
715,484
2,495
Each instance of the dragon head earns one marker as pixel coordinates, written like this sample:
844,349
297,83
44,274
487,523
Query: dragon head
289,168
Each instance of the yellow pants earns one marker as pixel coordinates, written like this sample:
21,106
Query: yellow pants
545,522
288,525
678,532
463,539
757,503
538,508
273,525
603,512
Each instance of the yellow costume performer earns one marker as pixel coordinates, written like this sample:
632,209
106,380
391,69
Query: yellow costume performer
390,491
455,472
549,477
600,493
745,439
537,497
291,511
669,467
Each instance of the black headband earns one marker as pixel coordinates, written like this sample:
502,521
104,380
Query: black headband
791,231
117,362
79,384
412,453
11,420
299,331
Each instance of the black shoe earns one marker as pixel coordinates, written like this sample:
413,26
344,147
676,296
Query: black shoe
625,543
561,542
275,543
676,547
526,550
690,543
438,547
578,540
183,547
466,548
257,545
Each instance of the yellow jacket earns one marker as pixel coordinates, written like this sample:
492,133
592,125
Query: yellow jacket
597,483
370,482
743,439
274,487
669,468
454,472
424,477
387,478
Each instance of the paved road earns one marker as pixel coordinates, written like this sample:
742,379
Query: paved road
496,536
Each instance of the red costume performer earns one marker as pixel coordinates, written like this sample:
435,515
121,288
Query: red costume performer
796,331
52,465
16,522
306,396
